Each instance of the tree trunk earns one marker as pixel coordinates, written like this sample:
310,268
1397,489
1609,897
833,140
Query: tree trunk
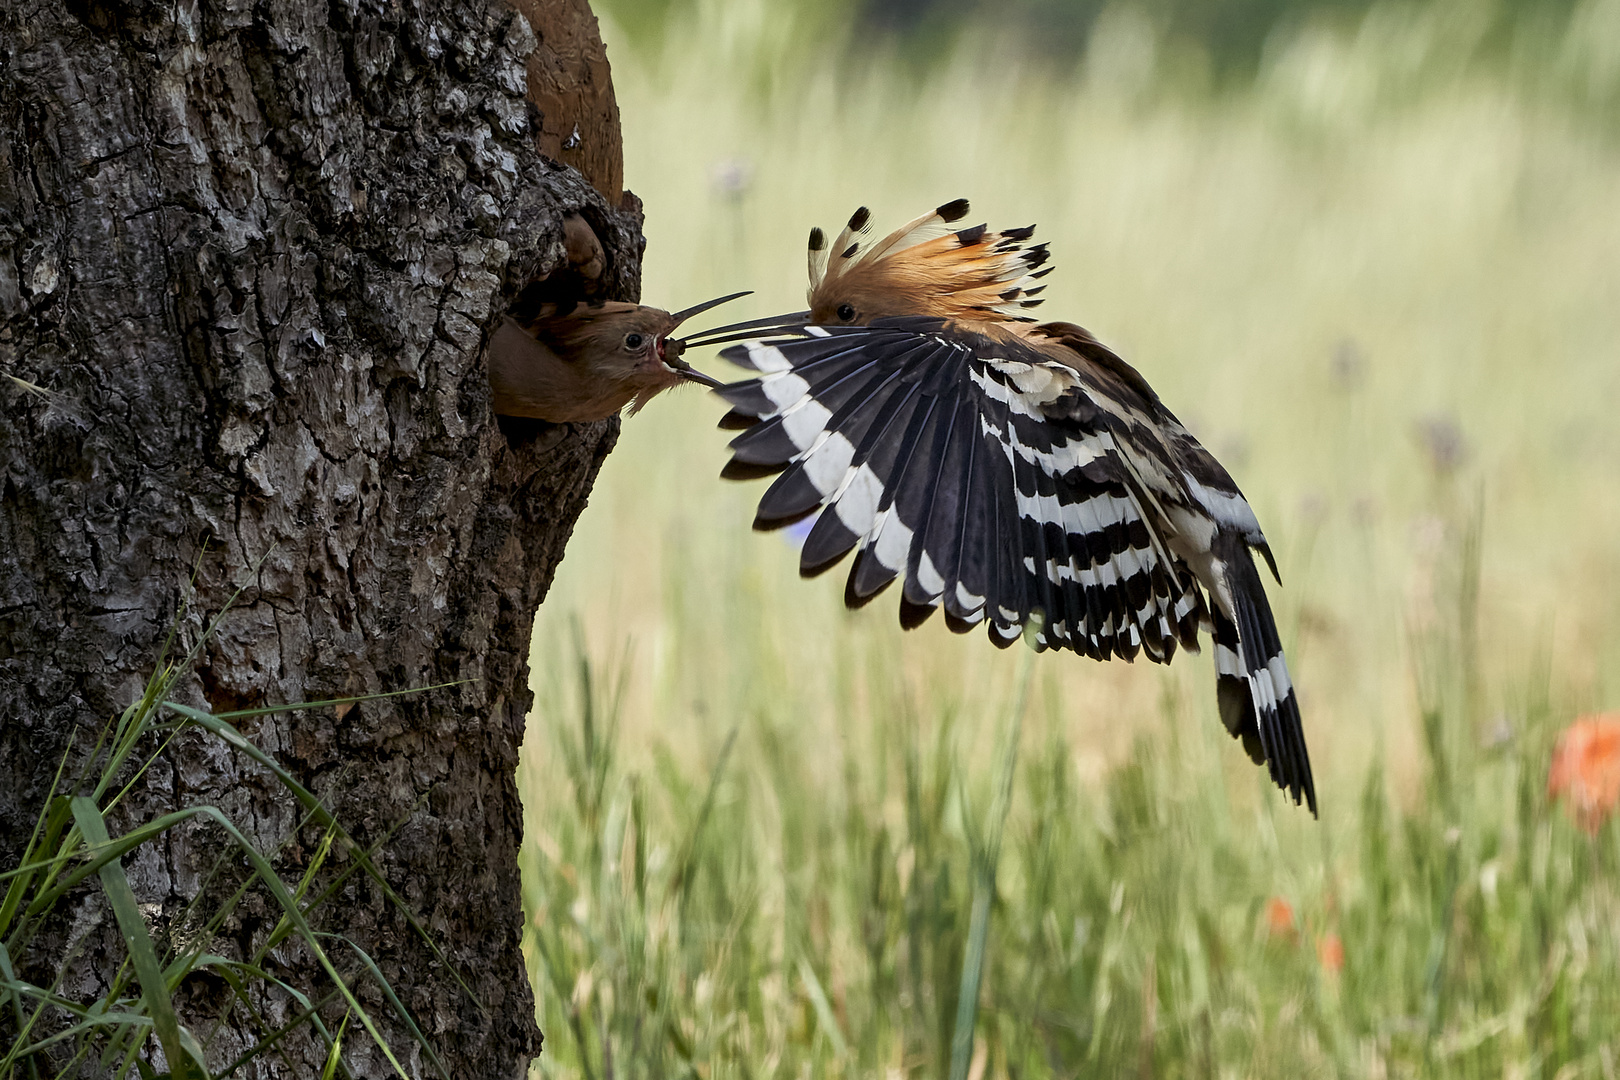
249,253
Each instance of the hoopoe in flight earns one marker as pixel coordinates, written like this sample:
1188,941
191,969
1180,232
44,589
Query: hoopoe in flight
1001,468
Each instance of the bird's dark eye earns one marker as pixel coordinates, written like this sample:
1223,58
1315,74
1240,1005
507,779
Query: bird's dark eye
846,312
633,341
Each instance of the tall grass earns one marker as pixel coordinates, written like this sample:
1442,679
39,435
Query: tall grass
53,1027
1381,288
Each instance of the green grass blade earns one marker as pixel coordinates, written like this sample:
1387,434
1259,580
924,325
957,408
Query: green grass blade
108,851
270,710
686,867
397,1005
310,1013
51,806
335,1055
323,817
131,924
825,1018
984,877
14,993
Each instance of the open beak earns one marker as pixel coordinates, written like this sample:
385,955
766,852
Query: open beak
670,349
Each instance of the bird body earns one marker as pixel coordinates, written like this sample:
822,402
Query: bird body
1006,471
571,363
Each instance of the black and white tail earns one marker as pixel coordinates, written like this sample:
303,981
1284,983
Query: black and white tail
1256,696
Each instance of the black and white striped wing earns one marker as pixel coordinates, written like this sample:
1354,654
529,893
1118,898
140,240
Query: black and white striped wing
967,468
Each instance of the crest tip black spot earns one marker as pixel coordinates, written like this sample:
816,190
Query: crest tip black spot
818,239
860,219
955,210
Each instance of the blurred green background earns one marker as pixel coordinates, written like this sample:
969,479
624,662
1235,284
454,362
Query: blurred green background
1371,254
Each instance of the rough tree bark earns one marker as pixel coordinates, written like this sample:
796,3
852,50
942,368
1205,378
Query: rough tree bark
250,249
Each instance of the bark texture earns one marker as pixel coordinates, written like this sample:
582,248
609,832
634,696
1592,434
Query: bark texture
250,251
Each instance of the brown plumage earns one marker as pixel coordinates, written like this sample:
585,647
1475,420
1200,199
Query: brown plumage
580,362
1005,472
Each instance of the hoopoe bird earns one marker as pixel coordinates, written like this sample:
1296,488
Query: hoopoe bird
1005,470
574,362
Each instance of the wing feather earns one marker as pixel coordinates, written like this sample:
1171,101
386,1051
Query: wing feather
940,465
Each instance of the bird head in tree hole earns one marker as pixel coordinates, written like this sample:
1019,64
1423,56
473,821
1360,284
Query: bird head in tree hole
570,359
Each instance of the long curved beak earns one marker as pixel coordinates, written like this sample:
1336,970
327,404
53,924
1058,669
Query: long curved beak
681,316
753,328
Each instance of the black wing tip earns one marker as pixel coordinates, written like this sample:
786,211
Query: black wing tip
955,210
1271,560
1297,770
914,615
812,567
1288,764
969,237
737,421
1274,737
763,523
997,640
854,599
748,470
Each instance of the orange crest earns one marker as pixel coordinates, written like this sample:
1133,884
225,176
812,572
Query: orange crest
925,268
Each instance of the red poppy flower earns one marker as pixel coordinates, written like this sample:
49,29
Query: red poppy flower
1585,769
1279,919
1330,951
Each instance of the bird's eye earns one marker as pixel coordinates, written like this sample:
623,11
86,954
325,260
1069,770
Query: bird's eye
633,341
846,312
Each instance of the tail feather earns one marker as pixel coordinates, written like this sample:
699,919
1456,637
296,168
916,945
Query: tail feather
1256,696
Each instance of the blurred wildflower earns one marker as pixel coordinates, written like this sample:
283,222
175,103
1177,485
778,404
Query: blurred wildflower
1348,368
1314,507
796,533
1585,769
1490,874
1279,919
1236,449
730,178
1330,953
1499,734
1443,441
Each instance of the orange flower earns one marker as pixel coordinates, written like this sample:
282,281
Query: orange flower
1279,918
1585,769
1330,951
